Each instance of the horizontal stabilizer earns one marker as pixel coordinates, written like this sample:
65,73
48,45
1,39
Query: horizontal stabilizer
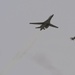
38,27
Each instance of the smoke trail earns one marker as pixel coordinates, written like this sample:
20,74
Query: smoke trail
19,55
45,63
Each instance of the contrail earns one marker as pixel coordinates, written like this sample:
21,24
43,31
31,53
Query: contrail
19,55
47,64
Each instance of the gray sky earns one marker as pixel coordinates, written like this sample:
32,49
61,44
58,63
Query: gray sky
50,52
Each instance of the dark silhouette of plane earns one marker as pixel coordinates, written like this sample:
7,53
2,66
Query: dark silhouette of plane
72,38
46,23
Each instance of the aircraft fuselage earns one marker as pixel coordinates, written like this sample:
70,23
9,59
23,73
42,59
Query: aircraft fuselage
45,24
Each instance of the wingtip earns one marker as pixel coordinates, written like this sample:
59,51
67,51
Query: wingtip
57,27
30,23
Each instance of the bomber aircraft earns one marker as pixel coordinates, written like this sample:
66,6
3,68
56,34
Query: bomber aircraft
73,38
46,23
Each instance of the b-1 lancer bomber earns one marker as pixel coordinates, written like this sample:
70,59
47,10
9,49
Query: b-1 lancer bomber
45,24
73,38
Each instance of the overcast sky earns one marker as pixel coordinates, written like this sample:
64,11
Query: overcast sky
25,50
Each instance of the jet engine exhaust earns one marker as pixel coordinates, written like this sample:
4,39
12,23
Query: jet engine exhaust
19,55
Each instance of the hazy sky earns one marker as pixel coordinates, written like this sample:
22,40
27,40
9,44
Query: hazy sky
50,52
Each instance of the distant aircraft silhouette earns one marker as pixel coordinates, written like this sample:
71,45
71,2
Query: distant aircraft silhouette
46,23
72,38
